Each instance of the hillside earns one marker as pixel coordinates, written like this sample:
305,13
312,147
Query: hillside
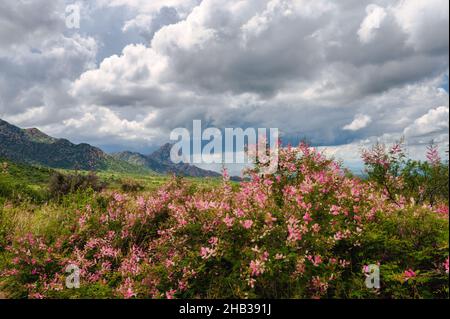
160,162
32,146
18,181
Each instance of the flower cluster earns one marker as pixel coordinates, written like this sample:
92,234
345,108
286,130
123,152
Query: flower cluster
297,233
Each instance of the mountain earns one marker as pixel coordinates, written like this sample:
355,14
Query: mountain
32,146
160,162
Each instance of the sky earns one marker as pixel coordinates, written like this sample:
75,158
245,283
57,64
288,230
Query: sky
342,74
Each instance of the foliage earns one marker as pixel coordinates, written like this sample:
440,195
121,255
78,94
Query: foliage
403,179
63,184
307,231
130,185
22,183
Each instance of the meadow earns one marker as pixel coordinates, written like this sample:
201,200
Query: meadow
310,230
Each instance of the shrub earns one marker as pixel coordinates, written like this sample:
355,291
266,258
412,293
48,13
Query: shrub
131,186
18,192
61,184
414,239
402,179
306,231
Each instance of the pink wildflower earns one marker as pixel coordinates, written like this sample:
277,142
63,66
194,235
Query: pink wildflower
338,236
315,228
307,218
118,197
408,274
206,252
433,155
335,210
213,241
171,294
256,267
316,260
294,233
247,224
228,221
127,289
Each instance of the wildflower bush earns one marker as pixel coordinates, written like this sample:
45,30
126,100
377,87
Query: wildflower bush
307,231
401,178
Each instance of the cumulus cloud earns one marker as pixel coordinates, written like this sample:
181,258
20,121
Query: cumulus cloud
360,121
148,24
335,72
38,61
27,23
372,22
425,22
431,126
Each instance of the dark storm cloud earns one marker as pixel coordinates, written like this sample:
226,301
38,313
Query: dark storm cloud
27,22
335,72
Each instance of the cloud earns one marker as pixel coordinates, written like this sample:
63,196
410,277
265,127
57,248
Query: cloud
26,23
38,61
433,125
430,127
148,24
425,22
41,77
372,22
360,122
150,6
335,72
236,63
266,47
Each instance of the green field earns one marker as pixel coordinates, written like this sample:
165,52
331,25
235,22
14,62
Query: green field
19,182
26,204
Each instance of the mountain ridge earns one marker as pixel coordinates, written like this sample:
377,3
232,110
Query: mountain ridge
32,146
160,162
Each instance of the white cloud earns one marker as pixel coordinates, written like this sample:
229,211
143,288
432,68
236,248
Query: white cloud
360,121
324,70
142,21
297,70
372,22
425,22
433,124
430,127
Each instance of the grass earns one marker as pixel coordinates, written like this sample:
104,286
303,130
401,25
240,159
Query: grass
26,205
21,180
150,182
21,173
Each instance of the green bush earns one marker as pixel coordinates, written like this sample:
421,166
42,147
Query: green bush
62,184
412,238
18,192
403,179
131,186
